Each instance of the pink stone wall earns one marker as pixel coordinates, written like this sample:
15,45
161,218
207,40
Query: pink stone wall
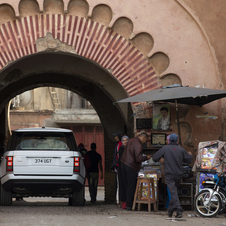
189,33
176,32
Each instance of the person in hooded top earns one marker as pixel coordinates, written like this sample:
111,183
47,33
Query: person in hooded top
174,155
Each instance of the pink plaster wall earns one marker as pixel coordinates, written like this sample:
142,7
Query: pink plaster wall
190,33
174,28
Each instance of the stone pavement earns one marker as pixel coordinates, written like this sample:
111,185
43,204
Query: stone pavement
56,212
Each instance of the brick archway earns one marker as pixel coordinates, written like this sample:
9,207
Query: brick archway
71,72
90,39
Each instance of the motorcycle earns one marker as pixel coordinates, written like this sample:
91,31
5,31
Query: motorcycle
211,201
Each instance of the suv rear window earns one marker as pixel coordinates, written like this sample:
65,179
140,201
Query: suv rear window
42,141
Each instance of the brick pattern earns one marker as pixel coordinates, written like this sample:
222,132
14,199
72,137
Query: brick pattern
90,39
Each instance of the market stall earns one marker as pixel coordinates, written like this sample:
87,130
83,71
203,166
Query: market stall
155,170
158,125
210,160
210,169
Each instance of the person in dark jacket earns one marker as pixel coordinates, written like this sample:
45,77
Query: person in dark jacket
122,196
174,156
93,171
114,165
130,165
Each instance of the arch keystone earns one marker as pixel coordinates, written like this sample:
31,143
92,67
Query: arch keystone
48,43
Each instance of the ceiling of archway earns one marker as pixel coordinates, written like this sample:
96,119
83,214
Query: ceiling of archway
67,71
58,63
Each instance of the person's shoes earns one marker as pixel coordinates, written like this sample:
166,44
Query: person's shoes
170,214
20,199
93,200
179,215
129,208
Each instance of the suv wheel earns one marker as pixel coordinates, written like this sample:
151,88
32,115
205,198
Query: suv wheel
78,198
5,197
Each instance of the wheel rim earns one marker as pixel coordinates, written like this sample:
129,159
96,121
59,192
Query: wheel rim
206,208
223,199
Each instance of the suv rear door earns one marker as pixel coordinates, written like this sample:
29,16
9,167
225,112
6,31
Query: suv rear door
42,153
43,163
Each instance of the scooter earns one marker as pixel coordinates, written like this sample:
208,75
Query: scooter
211,201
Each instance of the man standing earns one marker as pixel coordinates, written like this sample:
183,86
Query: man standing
174,156
130,166
164,121
93,171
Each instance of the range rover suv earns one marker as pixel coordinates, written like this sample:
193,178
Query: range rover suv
42,162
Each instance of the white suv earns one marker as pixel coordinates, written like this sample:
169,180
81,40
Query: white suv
42,162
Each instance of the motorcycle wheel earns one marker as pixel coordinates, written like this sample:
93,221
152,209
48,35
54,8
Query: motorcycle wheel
223,201
205,208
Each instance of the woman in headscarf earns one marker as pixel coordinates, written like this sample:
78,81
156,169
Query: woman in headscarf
122,196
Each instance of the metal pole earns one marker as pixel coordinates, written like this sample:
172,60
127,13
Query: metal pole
178,123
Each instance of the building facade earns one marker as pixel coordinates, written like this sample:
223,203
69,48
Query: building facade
108,50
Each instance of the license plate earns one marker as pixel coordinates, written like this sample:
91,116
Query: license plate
46,161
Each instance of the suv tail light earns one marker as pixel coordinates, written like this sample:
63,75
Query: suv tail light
76,164
9,163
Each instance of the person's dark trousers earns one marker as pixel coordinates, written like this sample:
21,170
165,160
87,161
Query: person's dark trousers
173,182
122,193
116,187
129,184
93,182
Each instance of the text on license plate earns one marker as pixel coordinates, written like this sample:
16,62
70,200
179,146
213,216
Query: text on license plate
45,160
